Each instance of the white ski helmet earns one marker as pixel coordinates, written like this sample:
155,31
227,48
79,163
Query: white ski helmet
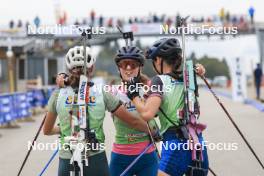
74,57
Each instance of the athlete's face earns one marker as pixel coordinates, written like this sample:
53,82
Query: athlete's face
128,68
75,73
78,71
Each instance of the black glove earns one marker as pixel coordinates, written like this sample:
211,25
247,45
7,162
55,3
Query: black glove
133,87
65,77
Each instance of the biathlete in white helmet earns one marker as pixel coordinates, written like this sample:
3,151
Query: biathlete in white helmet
61,105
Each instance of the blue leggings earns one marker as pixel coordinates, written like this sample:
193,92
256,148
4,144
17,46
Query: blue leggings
147,165
175,162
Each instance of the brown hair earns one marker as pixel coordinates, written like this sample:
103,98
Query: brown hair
73,81
144,79
174,60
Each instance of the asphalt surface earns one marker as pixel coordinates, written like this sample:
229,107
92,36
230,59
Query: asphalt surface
235,160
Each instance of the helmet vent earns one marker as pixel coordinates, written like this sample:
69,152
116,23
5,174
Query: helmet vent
165,48
171,44
132,49
89,58
135,55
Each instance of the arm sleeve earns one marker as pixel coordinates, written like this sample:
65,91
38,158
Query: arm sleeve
156,87
53,101
112,103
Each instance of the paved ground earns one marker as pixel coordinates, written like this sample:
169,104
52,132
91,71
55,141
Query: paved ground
251,92
241,162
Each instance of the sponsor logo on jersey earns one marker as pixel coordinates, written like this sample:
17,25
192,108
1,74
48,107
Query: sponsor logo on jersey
130,106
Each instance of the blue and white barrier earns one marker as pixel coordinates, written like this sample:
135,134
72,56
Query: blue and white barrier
257,105
19,104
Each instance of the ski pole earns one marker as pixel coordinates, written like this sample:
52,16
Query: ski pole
232,121
50,160
153,141
212,172
31,146
136,159
183,20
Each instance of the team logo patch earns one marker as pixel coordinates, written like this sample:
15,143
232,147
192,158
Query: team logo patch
92,101
71,100
131,139
174,82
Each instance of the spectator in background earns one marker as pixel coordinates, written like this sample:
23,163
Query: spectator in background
227,17
119,23
251,12
61,21
19,24
63,18
178,20
92,15
234,20
101,21
155,18
241,20
110,22
208,19
136,20
76,23
162,18
26,25
11,24
222,14
257,78
169,22
37,21
130,21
